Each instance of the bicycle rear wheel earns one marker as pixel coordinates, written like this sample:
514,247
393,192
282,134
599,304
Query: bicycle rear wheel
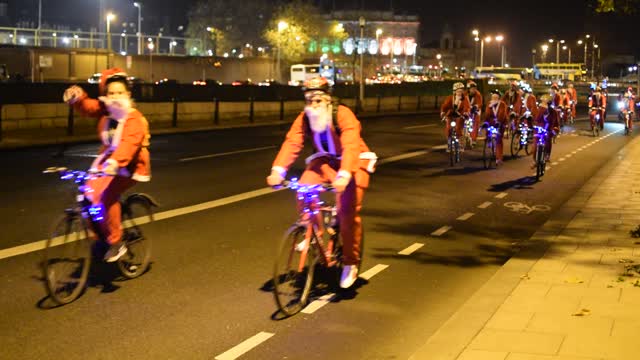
136,211
67,258
515,144
539,162
293,272
488,152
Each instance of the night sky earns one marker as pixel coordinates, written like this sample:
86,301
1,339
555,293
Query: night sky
525,24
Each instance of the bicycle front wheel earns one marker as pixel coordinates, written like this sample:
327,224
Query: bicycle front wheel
488,153
293,271
67,258
515,144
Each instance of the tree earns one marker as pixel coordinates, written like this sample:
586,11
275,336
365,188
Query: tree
624,7
231,23
294,25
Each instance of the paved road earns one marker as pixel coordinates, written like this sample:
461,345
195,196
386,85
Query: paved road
207,291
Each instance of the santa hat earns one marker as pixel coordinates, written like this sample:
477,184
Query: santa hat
106,75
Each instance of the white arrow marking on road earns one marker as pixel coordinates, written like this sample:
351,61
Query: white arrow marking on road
244,346
226,153
441,231
485,205
373,271
465,217
418,126
501,195
411,249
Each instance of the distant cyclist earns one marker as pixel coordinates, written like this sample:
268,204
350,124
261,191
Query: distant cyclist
341,158
123,155
475,101
496,115
454,108
547,118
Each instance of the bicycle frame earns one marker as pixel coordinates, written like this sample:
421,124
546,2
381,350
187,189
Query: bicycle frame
311,218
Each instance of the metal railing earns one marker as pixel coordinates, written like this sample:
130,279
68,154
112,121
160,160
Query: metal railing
124,43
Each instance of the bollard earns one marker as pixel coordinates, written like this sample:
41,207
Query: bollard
70,121
174,118
281,109
216,112
418,104
251,110
399,103
378,105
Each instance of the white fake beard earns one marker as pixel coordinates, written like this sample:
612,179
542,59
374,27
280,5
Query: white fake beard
118,108
319,118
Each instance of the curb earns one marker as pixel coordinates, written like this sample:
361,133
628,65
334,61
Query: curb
451,339
79,139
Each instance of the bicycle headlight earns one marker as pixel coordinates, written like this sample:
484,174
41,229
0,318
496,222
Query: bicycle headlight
453,123
620,105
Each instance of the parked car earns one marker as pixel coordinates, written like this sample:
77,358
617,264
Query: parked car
242,82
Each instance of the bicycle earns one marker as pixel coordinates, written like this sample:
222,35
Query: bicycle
453,144
489,149
68,251
467,130
314,239
541,154
595,120
522,137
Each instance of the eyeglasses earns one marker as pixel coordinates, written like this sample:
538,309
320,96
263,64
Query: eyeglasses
314,101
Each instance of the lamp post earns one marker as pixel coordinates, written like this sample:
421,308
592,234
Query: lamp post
565,47
488,40
150,46
282,25
378,33
545,47
110,16
593,58
475,34
499,39
37,42
139,33
361,22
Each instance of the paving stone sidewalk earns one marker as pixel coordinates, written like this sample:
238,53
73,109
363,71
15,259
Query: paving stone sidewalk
572,293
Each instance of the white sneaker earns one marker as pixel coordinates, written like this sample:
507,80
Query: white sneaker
115,252
302,245
349,276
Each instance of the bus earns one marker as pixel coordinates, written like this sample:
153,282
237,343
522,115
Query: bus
562,71
301,72
499,73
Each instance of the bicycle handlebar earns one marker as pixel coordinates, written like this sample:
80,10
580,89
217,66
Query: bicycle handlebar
294,185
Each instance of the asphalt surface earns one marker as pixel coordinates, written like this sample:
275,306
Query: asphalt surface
208,289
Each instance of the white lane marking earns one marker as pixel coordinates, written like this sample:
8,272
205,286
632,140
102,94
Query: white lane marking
465,216
439,147
547,168
242,348
485,205
501,195
373,271
573,152
418,126
411,249
568,156
562,159
317,304
226,153
441,231
39,245
402,157
554,163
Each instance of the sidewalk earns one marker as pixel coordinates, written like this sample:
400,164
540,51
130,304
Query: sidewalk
572,292
16,139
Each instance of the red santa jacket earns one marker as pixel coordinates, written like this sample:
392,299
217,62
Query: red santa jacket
530,103
548,120
348,146
124,141
573,94
496,114
449,110
476,100
513,98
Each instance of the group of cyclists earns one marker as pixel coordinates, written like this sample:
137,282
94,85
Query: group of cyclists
518,106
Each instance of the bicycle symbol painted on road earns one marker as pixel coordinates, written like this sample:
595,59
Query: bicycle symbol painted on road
525,209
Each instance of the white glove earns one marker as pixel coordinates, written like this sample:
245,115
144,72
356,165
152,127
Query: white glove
72,94
275,179
341,181
110,167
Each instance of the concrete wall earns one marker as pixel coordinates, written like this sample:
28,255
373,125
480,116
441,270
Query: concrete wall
46,116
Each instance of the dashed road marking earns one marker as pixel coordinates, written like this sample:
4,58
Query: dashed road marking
501,195
411,249
226,153
441,231
485,205
373,271
244,346
418,126
465,217
554,163
562,159
317,304
402,157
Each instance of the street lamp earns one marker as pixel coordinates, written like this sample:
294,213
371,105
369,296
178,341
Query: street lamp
565,47
361,22
282,25
475,34
150,46
139,6
545,47
110,16
593,57
499,39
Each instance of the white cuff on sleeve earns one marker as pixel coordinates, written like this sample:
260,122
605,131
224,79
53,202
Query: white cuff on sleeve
112,162
344,174
280,170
